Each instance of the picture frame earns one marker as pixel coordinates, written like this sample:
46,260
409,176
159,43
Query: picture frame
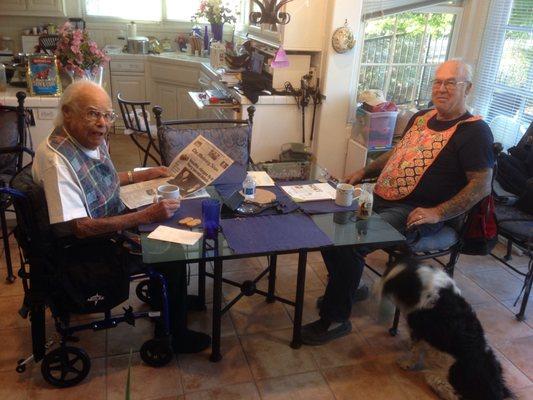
43,75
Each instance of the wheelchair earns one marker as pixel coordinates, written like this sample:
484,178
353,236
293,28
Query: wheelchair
42,266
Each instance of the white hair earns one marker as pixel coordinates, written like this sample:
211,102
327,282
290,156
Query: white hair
465,69
70,97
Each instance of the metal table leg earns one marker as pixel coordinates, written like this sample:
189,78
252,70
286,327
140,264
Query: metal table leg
298,309
217,311
271,278
201,285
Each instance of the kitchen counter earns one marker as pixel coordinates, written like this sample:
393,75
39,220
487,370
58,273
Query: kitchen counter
205,65
9,98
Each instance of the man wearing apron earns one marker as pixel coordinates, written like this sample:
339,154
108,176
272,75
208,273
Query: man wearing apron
440,169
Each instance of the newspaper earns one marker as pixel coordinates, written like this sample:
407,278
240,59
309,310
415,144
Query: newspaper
310,192
194,168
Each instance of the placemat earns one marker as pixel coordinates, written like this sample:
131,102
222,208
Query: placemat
273,233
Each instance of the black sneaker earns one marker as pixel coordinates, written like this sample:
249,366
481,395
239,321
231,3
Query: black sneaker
191,342
361,293
322,331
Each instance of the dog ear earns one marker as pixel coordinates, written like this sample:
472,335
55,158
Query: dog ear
405,287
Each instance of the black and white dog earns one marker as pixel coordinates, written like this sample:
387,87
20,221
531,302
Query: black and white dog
447,338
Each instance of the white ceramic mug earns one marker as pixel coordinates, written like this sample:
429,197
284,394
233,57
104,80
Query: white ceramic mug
345,194
168,192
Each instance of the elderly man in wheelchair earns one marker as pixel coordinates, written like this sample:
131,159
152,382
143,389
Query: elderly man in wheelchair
84,263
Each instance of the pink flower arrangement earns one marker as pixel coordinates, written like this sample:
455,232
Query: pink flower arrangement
77,53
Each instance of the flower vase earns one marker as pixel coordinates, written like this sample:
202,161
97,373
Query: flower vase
96,75
217,31
67,76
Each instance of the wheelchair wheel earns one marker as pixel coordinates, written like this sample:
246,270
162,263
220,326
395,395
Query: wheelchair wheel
156,352
65,366
142,291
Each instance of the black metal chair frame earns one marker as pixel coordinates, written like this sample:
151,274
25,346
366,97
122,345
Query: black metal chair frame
525,245
19,149
130,116
454,251
248,287
48,43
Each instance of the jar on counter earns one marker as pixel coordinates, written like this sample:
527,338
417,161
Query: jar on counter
3,78
7,45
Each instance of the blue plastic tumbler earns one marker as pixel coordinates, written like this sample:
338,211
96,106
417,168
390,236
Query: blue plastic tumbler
211,217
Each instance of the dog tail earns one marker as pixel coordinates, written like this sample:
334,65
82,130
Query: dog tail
479,377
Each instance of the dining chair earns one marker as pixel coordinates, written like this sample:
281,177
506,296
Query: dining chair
515,226
48,43
233,137
13,146
137,126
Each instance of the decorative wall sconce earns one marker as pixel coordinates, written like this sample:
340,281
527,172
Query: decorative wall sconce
270,13
343,39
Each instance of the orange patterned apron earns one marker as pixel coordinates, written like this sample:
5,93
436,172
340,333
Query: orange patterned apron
412,157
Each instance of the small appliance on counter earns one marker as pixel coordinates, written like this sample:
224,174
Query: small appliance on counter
138,45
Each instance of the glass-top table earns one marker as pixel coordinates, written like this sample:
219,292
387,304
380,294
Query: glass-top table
342,228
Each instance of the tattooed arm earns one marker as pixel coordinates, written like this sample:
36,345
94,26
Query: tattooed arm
478,187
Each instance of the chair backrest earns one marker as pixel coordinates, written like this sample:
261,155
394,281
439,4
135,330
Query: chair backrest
48,43
13,137
505,130
134,114
233,136
34,233
77,23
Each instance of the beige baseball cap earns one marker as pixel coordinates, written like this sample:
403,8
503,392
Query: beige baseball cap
372,97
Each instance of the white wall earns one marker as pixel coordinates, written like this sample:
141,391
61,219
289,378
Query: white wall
339,85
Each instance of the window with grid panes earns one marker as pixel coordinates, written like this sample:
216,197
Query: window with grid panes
401,51
503,84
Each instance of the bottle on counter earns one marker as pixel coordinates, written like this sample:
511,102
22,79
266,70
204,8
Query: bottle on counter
132,29
248,187
3,78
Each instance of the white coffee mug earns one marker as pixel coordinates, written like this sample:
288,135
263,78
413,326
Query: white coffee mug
168,192
344,196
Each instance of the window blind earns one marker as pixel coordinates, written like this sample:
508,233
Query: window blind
380,8
503,83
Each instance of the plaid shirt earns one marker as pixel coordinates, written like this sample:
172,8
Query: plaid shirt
97,178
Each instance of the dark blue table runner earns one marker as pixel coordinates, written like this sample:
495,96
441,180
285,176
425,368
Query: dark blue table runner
273,233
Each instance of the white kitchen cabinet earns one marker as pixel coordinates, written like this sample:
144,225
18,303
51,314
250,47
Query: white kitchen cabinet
170,82
174,99
165,95
12,5
45,8
131,87
305,30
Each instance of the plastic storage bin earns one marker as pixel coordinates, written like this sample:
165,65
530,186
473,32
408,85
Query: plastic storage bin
374,130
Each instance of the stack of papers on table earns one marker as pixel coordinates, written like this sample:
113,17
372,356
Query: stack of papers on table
181,236
310,192
261,178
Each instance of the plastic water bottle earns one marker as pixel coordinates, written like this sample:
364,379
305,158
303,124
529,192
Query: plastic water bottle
248,187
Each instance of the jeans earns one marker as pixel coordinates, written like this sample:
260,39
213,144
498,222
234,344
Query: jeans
345,264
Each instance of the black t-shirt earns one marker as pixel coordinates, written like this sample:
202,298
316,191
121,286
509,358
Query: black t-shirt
469,149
